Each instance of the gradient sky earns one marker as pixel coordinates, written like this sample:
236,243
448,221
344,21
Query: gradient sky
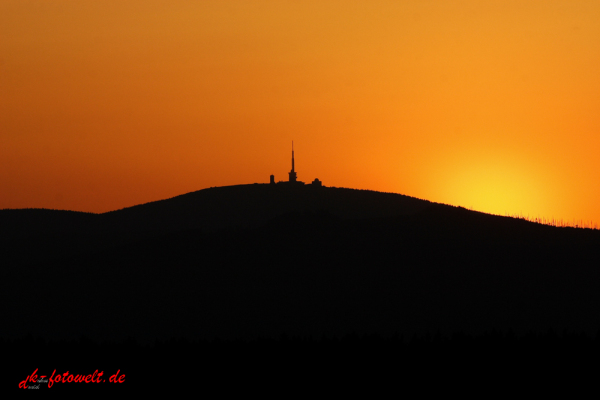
493,105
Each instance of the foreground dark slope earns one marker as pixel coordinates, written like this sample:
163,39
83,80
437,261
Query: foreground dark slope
257,260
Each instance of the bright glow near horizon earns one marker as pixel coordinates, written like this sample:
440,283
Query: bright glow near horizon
491,105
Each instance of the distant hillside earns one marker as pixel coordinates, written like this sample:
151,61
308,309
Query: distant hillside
251,205
26,231
260,260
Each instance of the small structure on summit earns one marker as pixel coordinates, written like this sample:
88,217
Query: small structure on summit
292,173
293,178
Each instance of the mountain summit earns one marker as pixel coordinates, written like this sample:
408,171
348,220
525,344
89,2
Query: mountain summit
262,260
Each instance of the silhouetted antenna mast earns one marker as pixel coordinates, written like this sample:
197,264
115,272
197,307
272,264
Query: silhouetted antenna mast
292,173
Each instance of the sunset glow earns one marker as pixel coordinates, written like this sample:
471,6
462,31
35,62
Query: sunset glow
493,105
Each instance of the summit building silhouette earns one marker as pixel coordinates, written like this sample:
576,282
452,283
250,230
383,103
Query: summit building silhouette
293,178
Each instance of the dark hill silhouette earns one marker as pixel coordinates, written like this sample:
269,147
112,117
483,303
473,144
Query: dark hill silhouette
49,232
251,205
258,261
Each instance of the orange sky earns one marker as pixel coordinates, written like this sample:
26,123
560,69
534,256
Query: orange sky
493,105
